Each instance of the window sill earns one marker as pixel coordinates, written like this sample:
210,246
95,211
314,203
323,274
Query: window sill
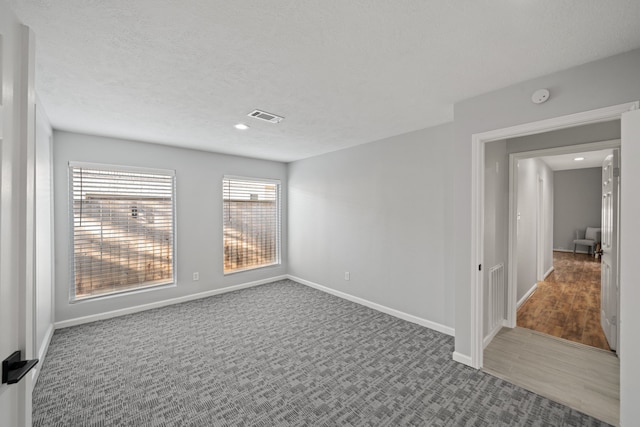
124,293
261,267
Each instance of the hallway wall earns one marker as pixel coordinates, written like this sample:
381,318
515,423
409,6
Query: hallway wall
529,171
496,218
578,204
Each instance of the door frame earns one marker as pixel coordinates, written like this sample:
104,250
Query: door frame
615,249
540,227
514,158
478,142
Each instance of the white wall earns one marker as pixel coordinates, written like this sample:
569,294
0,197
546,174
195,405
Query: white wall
198,212
529,172
594,85
578,205
630,273
44,232
381,211
496,217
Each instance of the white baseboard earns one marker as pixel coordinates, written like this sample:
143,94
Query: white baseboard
491,335
548,273
393,312
579,251
163,303
526,296
42,352
462,358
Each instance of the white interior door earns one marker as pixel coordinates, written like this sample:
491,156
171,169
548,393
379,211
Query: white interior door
8,294
8,300
9,314
17,118
609,291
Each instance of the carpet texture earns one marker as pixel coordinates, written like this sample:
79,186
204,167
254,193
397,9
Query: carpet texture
274,355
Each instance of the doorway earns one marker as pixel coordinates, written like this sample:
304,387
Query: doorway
535,354
478,143
630,125
563,297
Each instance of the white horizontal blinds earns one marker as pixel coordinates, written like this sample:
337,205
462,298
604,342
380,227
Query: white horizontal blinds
251,223
123,229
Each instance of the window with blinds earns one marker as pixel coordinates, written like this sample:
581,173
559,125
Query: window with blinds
122,226
251,223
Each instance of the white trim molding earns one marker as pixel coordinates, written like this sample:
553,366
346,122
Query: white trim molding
378,307
163,303
549,271
462,358
556,123
491,335
42,352
44,345
527,295
578,251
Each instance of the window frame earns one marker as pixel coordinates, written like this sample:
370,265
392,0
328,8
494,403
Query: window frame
149,286
278,230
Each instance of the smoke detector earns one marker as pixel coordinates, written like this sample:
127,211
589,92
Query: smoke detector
267,117
540,96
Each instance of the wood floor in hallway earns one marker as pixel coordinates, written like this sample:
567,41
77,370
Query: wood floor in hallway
567,304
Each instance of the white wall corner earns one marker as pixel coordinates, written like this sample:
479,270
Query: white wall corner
42,352
526,296
462,358
163,303
492,334
547,273
378,307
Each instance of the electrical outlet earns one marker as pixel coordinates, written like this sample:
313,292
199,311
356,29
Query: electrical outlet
196,276
347,276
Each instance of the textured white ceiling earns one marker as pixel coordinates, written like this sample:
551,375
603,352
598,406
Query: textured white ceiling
342,72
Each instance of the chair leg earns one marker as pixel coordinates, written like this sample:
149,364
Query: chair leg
574,248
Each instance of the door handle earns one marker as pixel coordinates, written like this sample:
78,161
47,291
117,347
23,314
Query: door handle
14,369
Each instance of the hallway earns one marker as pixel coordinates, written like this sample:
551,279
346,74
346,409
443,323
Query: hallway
567,304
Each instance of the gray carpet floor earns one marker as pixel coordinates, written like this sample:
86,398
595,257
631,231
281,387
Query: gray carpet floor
272,355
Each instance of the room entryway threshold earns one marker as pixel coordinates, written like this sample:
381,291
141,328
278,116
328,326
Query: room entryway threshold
584,378
575,344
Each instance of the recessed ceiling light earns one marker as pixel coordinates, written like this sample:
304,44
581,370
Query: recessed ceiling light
579,159
241,126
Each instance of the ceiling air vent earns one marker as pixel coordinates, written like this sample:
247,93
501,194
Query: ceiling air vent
267,117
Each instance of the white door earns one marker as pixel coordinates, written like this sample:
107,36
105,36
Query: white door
9,397
17,92
609,291
9,316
